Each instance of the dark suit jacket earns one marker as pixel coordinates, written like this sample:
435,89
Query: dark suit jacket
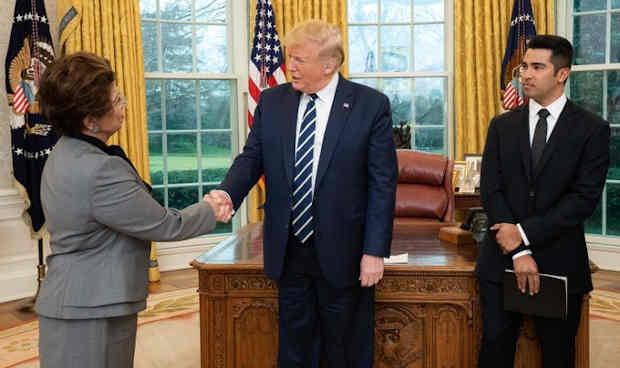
550,202
354,194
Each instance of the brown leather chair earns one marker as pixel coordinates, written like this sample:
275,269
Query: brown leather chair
424,195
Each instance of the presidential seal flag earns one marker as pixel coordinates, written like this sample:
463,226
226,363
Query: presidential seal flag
32,139
522,29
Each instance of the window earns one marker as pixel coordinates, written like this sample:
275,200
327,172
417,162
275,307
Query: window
594,28
192,94
404,49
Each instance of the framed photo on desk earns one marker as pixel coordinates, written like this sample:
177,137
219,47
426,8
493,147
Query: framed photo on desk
473,164
458,175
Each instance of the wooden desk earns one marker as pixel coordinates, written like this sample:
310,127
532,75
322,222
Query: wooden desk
427,311
466,200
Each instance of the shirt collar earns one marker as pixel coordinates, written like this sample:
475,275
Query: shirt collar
555,108
329,91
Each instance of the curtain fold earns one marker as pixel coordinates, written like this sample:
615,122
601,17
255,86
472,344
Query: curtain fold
289,13
480,35
111,28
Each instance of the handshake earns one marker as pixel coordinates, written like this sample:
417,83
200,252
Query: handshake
221,204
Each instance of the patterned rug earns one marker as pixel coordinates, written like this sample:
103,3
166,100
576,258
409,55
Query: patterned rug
605,304
172,310
169,332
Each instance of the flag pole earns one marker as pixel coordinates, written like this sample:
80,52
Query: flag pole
28,305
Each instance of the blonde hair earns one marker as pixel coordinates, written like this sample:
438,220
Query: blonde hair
326,36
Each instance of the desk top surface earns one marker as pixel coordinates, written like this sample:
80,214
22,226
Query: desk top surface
244,250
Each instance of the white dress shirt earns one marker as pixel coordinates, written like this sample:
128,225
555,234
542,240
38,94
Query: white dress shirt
323,105
555,109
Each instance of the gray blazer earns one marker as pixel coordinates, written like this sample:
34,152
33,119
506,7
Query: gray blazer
101,218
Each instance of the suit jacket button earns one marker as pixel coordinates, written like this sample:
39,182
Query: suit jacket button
532,194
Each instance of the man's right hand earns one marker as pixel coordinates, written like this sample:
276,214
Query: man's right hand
221,204
527,273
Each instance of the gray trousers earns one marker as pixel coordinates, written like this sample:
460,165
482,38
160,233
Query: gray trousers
93,343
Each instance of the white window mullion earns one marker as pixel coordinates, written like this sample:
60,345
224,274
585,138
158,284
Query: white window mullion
198,136
164,140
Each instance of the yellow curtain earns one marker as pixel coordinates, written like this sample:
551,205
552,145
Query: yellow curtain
480,35
288,14
111,28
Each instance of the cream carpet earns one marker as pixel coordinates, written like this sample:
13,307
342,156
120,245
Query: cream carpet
169,333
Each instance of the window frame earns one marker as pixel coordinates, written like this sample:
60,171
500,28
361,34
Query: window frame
237,33
447,74
564,27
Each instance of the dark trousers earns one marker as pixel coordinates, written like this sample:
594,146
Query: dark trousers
316,317
500,331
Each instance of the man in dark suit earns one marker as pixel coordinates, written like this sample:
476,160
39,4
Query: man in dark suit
325,147
543,171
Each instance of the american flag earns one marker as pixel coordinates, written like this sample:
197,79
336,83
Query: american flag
267,61
522,28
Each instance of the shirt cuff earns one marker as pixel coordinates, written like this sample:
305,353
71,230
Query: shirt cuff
523,236
230,199
522,253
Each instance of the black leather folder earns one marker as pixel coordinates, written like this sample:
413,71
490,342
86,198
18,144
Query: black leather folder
550,301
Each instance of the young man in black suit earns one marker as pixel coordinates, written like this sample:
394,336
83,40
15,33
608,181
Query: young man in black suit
543,171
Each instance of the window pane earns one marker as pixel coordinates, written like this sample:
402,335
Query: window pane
429,140
615,4
430,102
156,161
148,8
428,47
586,90
589,39
176,9
182,159
593,225
216,155
613,209
180,104
370,82
180,198
220,228
153,104
395,11
213,11
176,47
362,49
398,91
588,5
158,195
395,48
614,154
215,101
149,46
362,11
615,38
613,96
428,10
212,49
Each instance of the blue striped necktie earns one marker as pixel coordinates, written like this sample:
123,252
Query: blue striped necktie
302,183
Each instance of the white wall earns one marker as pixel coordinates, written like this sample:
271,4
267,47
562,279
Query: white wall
18,252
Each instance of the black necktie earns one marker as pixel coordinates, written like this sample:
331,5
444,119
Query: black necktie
540,137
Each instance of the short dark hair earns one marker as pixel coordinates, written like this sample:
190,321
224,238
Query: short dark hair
73,87
561,49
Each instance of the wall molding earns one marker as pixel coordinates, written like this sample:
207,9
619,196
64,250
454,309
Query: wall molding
18,276
12,205
607,257
177,255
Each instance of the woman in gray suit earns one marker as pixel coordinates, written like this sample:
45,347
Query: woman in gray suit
101,217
